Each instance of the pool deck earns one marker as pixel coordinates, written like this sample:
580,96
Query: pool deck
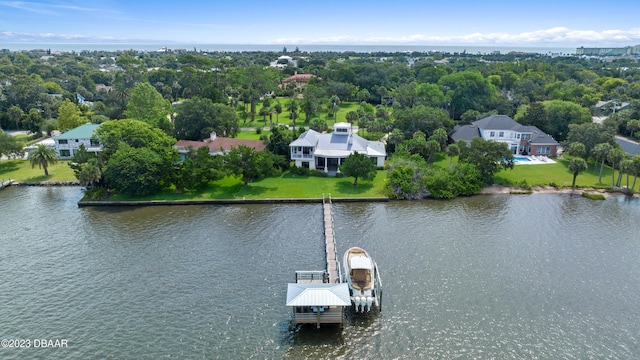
534,160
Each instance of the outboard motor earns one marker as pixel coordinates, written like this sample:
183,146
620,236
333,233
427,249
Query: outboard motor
357,303
369,302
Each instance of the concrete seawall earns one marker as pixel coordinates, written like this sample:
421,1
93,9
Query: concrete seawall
225,201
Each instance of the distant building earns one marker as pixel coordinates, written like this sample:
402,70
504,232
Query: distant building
217,145
298,79
629,50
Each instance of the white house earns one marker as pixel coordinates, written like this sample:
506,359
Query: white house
521,139
66,144
325,152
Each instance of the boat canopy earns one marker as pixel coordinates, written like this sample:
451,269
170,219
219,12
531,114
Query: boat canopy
361,262
318,294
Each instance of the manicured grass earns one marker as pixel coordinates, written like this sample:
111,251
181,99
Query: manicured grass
557,174
252,135
21,171
285,186
285,119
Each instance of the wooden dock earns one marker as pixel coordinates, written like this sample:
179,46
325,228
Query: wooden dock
333,263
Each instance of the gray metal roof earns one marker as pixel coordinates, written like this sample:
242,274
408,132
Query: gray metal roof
335,144
318,294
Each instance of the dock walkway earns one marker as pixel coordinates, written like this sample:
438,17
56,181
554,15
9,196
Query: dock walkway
333,264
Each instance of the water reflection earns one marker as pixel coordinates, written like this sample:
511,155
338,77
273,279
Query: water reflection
505,276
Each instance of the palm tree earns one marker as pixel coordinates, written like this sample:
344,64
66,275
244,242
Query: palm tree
636,170
576,166
452,150
614,156
626,167
292,107
601,152
43,156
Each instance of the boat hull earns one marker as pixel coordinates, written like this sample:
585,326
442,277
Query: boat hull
361,274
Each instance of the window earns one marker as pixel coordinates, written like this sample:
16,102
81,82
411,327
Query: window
65,153
501,134
492,134
525,136
517,136
305,164
95,142
306,150
63,141
544,150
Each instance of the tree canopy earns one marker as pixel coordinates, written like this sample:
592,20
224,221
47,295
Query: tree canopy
358,166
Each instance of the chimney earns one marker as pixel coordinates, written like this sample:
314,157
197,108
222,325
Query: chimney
212,136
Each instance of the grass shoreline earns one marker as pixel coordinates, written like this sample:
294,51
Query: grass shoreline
550,178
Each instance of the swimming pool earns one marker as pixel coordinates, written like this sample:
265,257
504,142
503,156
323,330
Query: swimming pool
521,158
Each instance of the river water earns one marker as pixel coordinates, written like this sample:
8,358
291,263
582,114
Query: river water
549,276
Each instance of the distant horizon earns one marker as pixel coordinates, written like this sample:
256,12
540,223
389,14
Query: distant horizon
497,23
157,46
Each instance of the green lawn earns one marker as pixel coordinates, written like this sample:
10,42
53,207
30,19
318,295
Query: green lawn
557,174
281,187
21,171
285,119
252,135
546,174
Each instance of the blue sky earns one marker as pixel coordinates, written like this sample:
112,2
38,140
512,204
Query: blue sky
460,22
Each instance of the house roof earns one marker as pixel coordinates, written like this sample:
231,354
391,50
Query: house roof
501,122
84,131
339,145
465,132
221,143
498,122
318,294
301,78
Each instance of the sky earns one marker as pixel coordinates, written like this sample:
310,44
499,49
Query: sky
415,22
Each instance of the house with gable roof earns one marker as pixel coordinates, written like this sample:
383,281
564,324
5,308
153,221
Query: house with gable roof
67,143
326,152
521,139
217,145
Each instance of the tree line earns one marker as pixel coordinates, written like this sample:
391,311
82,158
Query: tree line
411,99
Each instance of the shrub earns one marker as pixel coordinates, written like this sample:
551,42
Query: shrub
593,196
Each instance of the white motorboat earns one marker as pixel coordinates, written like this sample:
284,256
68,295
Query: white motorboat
361,274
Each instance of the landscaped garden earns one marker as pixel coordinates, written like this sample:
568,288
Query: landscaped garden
289,185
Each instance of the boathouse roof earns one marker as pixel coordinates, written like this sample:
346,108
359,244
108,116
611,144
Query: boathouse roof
324,294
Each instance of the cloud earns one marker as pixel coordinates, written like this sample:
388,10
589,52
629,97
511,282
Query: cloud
47,9
18,37
554,36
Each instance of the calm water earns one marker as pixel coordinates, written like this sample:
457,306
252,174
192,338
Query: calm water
504,276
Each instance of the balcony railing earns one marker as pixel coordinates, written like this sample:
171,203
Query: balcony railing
301,156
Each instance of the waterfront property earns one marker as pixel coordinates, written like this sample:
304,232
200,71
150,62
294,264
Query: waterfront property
326,152
319,297
217,145
67,143
521,139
